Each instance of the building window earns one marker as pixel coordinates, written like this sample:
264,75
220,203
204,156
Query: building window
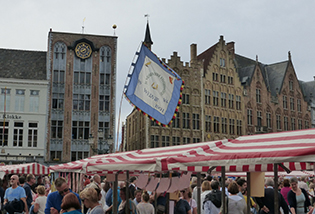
285,102
5,99
79,155
258,96
196,121
175,141
216,124
34,101
259,118
285,124
175,123
56,129
208,123
82,78
224,125
222,62
81,102
196,140
104,127
19,100
230,80
299,124
268,120
231,101
307,126
239,127
238,102
105,79
215,77
104,103
57,101
185,99
222,78
60,51
18,134
32,135
291,103
291,85
55,155
293,124
299,109
154,141
207,96
186,121
165,141
80,130
186,140
249,117
58,76
223,99
278,121
215,98
232,126
154,123
4,133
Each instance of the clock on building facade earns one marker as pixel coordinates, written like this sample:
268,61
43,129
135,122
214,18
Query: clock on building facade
83,50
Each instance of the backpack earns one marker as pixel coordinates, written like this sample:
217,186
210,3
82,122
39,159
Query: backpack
215,197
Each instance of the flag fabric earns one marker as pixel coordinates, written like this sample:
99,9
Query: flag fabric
154,88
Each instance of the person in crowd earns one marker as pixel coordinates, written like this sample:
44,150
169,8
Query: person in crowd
161,199
122,206
285,189
182,206
303,183
253,205
47,185
109,195
15,192
144,207
54,199
266,203
90,198
132,186
311,192
1,193
110,208
235,203
30,180
212,202
40,201
138,195
205,188
186,195
21,181
298,198
105,187
242,186
38,183
70,204
86,181
97,180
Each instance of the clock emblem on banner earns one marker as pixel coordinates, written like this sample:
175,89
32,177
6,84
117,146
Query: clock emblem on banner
83,50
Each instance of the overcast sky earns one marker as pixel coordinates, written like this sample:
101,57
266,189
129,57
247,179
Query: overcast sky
266,28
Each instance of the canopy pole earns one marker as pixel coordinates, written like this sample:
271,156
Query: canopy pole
248,192
198,193
276,195
223,189
127,208
115,194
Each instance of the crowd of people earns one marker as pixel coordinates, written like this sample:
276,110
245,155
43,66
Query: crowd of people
26,194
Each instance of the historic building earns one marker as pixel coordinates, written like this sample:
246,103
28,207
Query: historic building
23,106
81,70
308,89
273,97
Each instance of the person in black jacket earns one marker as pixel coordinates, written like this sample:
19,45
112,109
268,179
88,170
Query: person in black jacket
266,203
298,198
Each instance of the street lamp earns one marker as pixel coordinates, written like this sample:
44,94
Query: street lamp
107,142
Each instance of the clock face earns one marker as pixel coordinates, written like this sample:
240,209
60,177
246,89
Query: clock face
83,50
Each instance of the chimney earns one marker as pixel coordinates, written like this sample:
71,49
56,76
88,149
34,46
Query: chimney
230,47
314,77
193,52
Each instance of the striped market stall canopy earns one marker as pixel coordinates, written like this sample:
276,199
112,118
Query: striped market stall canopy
28,168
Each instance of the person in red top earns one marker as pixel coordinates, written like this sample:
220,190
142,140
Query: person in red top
285,189
86,181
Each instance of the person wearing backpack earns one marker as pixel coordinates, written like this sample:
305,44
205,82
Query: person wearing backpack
212,202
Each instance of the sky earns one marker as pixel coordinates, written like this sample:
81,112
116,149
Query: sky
266,28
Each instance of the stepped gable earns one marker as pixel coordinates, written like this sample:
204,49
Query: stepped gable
22,64
206,57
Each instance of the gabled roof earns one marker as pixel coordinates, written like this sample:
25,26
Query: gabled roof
276,73
308,89
22,64
206,56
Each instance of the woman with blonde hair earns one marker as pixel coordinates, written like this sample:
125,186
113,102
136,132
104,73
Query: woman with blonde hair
205,189
90,198
40,201
144,207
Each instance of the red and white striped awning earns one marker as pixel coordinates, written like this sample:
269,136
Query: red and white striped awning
247,153
28,168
